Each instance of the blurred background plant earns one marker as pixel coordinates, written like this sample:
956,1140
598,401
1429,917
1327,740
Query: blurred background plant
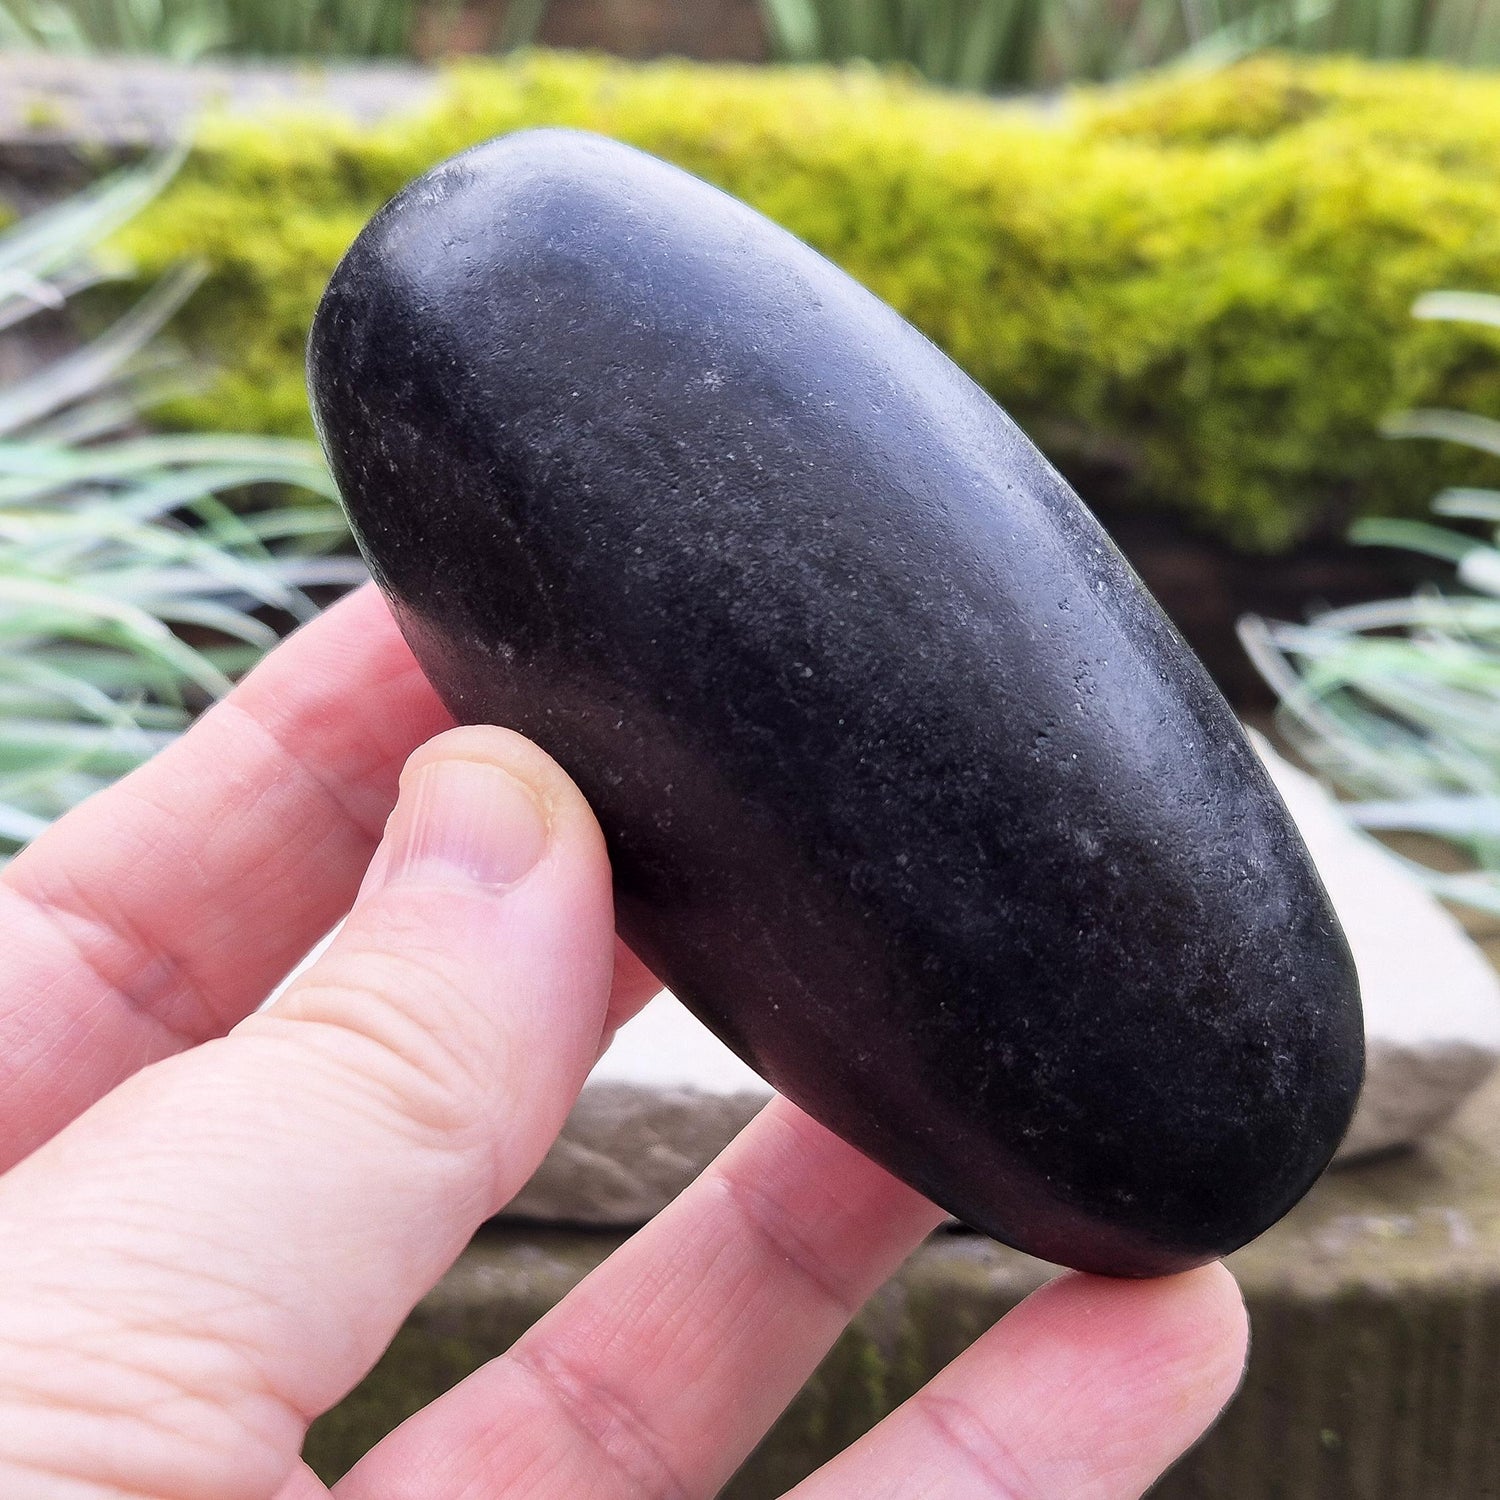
985,45
1009,44
188,29
1397,702
130,593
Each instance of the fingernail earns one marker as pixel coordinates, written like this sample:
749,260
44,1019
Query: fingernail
465,819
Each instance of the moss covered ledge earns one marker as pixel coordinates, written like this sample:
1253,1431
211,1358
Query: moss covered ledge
1194,291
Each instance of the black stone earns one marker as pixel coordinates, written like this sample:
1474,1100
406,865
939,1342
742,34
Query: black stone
913,793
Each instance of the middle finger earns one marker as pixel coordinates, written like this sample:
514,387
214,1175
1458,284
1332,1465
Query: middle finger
659,1374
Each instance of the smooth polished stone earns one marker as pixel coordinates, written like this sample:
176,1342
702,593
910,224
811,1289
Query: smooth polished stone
913,794
667,1096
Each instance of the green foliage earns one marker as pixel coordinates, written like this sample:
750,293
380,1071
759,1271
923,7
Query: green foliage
1398,702
1194,287
186,29
1006,44
116,548
974,44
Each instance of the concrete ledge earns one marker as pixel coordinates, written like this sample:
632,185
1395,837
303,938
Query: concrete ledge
63,118
1375,1307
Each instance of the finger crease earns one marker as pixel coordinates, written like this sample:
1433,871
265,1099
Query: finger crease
104,1489
610,1423
158,985
765,1218
148,976
327,786
960,1429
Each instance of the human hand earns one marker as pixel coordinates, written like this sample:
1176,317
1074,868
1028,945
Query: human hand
216,1219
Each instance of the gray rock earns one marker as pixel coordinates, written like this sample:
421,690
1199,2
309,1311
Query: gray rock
1431,998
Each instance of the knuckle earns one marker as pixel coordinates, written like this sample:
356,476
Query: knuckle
403,1029
608,1421
963,1432
769,1224
162,1411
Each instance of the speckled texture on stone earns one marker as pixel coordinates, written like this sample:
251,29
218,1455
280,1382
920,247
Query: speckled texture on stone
668,1096
912,792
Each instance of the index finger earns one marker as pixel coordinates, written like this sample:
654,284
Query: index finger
163,910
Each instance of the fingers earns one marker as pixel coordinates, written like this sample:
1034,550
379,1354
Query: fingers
165,909
658,1375
1087,1391
661,1372
225,1243
303,1485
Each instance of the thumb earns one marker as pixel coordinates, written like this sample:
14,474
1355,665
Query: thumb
218,1250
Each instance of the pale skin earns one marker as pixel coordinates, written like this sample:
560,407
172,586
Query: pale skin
215,1219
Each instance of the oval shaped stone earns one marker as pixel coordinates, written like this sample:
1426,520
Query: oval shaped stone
912,792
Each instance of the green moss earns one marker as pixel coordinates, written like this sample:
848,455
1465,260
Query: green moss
41,113
417,1368
1200,284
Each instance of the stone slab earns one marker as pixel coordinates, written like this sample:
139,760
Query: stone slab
62,117
1375,1358
627,1151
